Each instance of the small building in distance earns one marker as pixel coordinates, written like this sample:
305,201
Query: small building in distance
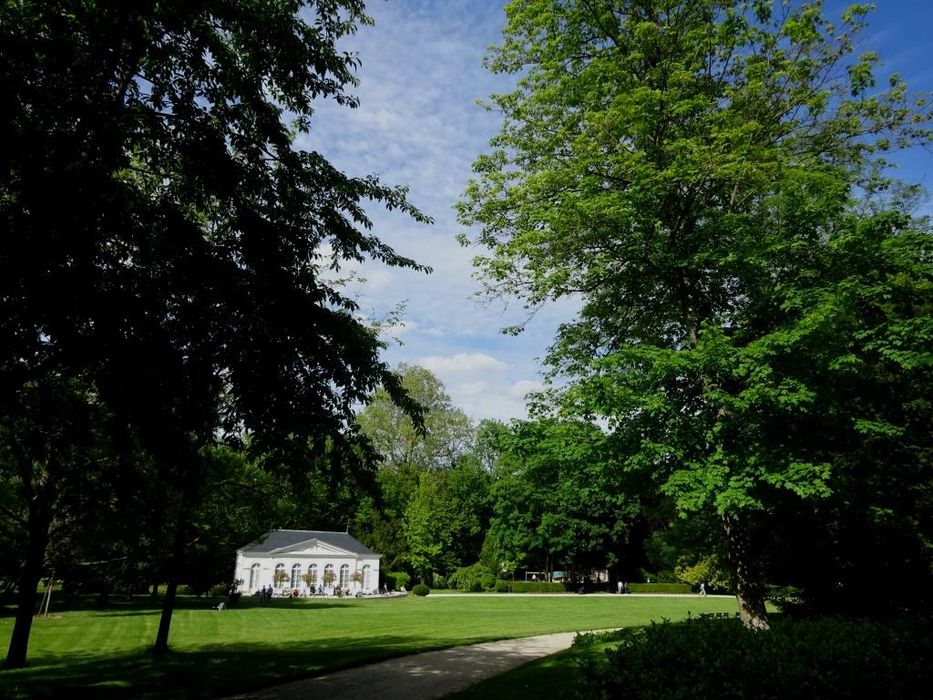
307,561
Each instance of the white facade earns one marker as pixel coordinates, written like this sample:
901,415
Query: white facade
300,552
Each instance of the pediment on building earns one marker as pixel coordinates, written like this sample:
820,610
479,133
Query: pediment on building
313,548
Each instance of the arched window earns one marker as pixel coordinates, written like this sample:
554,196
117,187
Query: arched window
296,575
279,578
329,575
254,577
312,575
367,576
344,575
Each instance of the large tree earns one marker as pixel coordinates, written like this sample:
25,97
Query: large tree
447,518
164,238
443,436
672,165
439,442
559,498
55,462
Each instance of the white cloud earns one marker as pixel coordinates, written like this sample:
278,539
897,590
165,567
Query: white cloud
462,363
521,388
418,125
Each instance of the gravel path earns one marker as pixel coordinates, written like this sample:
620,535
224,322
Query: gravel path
432,674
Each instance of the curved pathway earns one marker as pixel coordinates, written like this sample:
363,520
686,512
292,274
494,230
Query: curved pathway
426,676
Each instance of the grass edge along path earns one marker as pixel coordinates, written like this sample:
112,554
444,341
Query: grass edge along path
822,657
103,653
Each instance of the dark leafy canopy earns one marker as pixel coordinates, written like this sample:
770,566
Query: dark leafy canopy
165,244
559,502
685,169
161,234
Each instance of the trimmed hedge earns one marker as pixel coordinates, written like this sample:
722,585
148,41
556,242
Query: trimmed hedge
659,588
534,587
420,589
827,658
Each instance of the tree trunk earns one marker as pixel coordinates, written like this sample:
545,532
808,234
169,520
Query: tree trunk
27,595
160,648
749,589
189,482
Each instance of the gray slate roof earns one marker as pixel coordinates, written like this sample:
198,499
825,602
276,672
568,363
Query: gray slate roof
276,539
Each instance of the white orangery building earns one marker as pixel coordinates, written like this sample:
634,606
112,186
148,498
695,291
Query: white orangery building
299,559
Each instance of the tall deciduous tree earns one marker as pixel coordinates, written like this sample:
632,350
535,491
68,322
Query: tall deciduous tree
672,164
164,237
446,518
444,435
55,461
438,443
559,500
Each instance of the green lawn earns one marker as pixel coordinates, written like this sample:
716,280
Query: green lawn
103,653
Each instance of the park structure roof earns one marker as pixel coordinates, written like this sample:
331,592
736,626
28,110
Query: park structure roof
282,541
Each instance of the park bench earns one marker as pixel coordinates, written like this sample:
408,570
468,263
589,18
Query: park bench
717,616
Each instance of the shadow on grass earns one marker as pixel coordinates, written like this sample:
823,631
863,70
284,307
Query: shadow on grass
145,605
211,671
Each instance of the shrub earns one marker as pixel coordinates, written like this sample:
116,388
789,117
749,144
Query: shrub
502,586
420,589
707,570
397,579
827,658
469,578
488,581
439,581
659,588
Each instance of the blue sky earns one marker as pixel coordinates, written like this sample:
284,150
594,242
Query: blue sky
419,125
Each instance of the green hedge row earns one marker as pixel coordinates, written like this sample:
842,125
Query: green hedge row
659,588
532,587
828,658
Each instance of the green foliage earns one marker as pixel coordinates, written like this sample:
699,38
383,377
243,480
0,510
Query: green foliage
421,589
826,658
662,576
470,578
705,570
503,586
488,581
444,435
559,499
183,276
434,498
659,587
687,172
397,579
446,517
